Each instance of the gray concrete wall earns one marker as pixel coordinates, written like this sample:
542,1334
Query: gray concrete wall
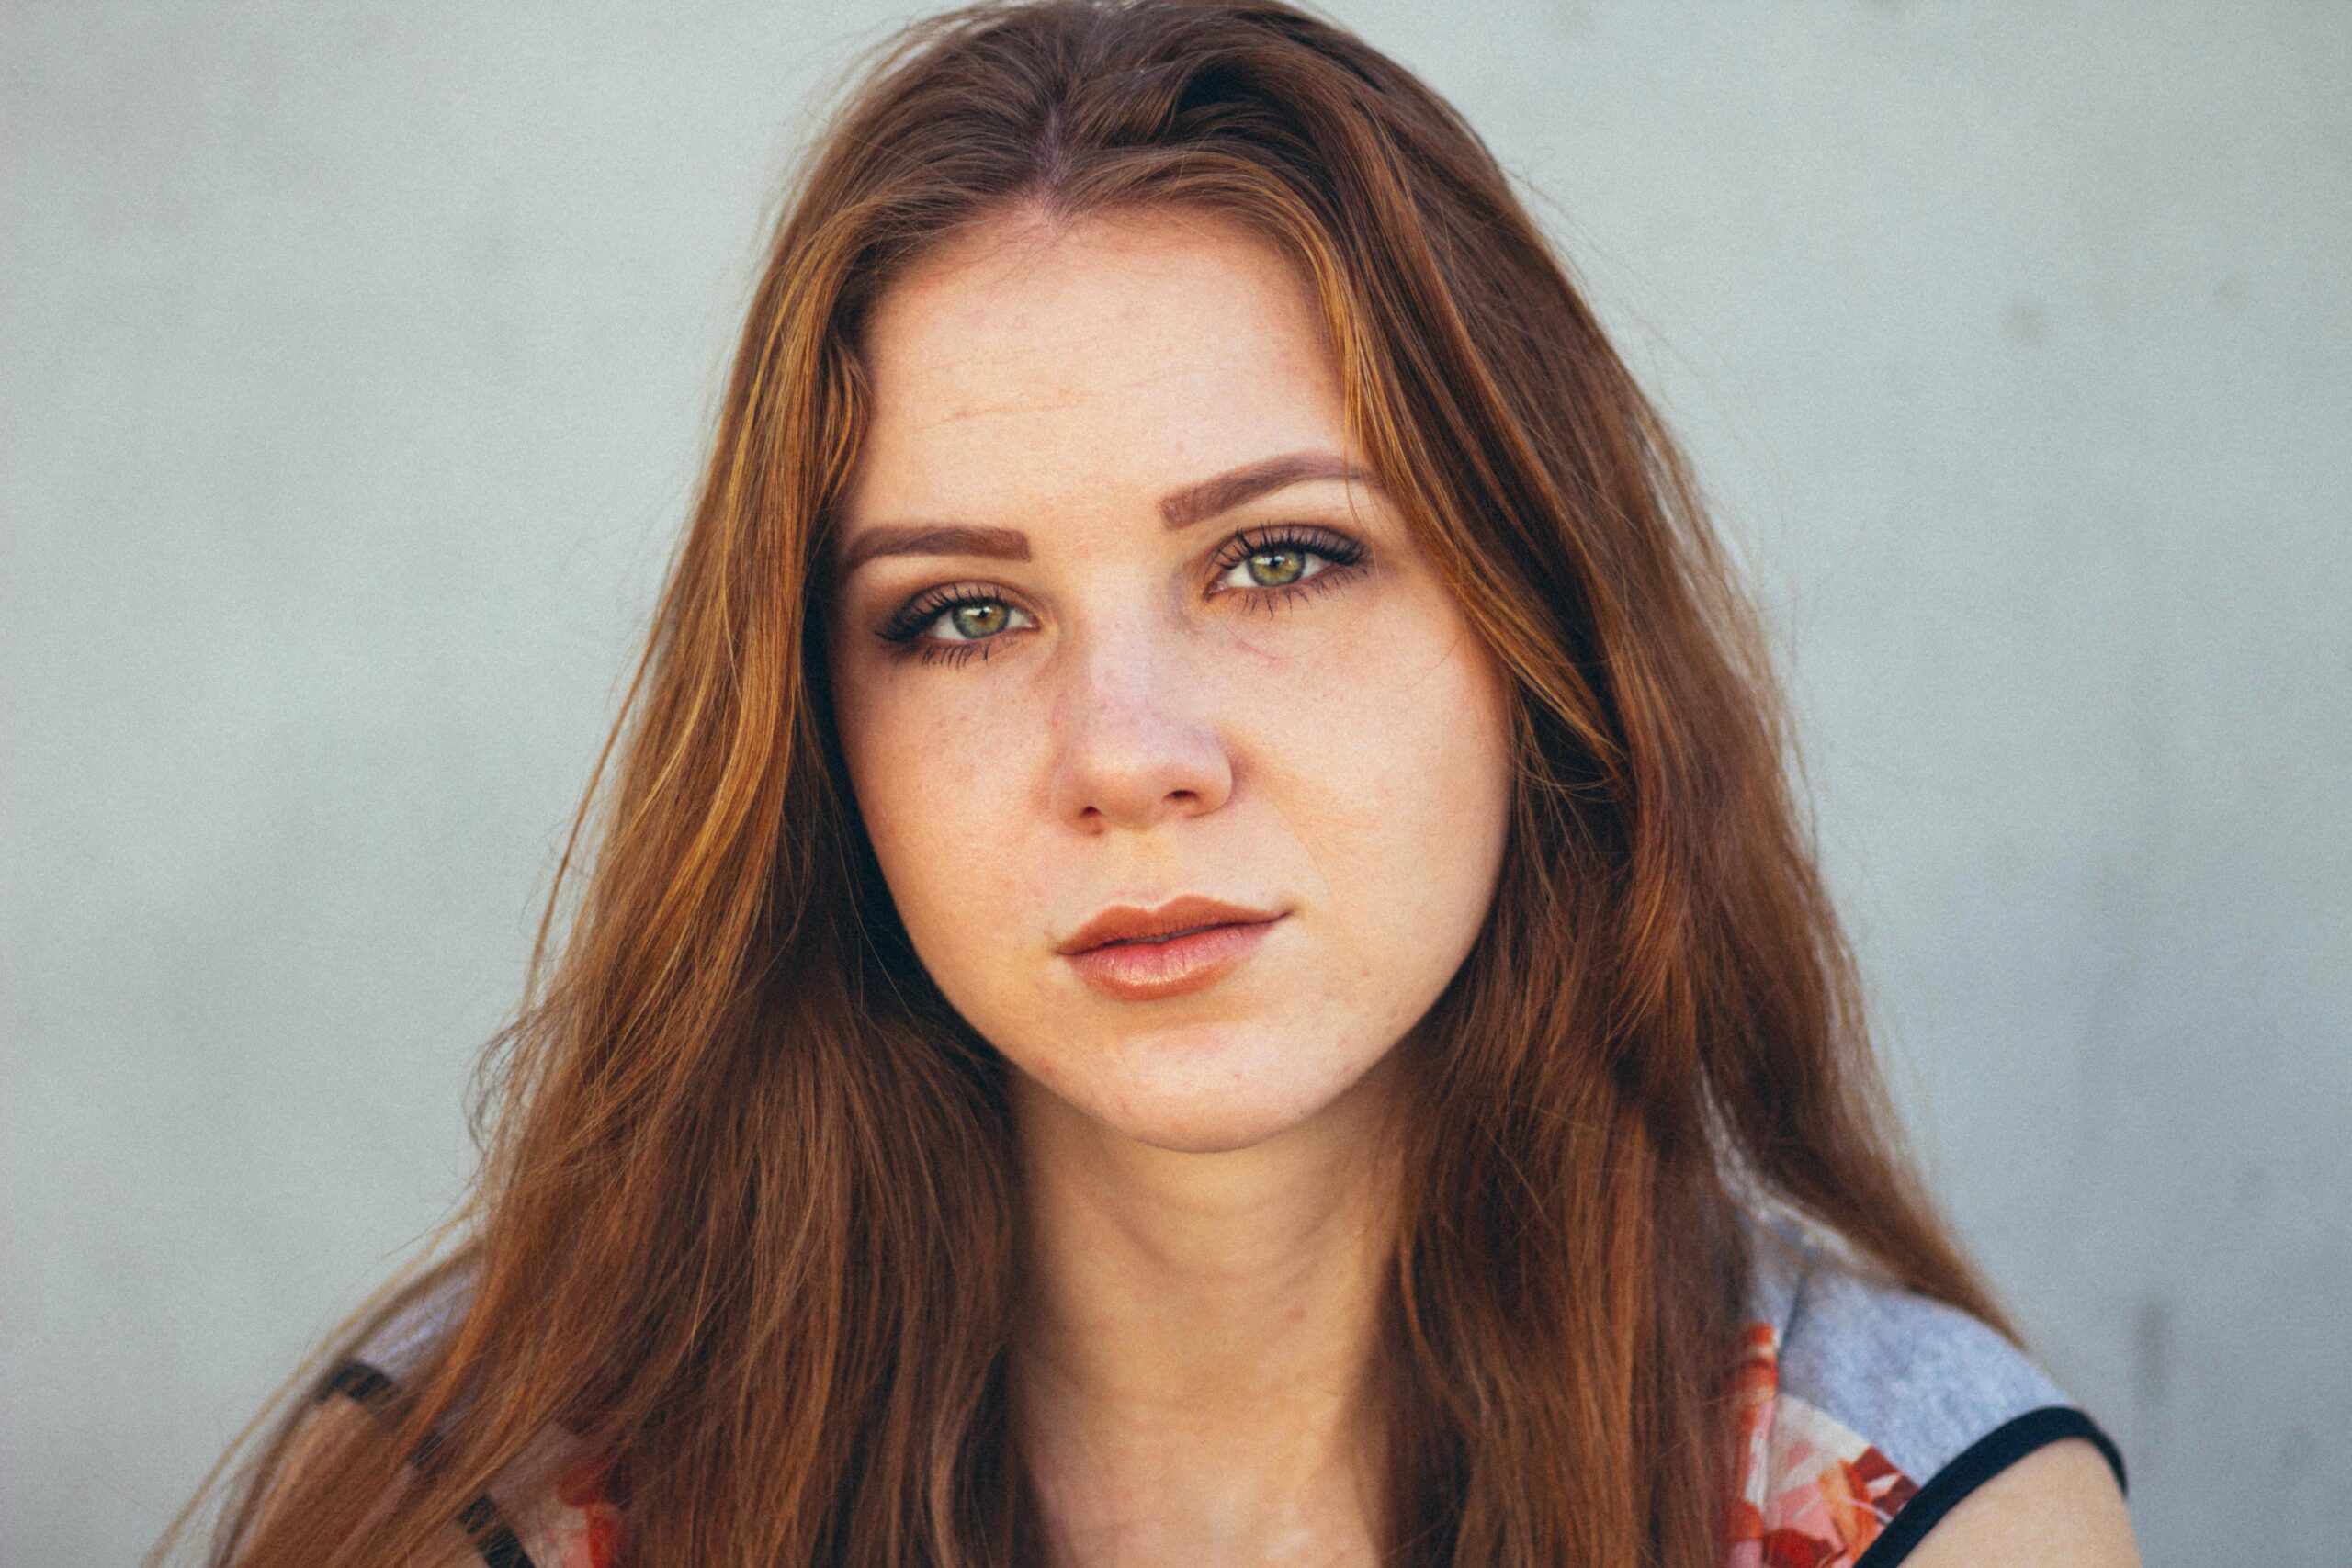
357,360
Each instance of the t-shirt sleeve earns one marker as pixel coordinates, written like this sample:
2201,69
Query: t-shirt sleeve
571,1524
1870,1411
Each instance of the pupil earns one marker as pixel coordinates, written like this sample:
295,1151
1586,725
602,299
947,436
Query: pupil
1290,561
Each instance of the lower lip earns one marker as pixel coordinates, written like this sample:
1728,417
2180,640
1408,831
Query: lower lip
1147,971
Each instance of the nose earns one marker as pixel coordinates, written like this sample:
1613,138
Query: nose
1137,741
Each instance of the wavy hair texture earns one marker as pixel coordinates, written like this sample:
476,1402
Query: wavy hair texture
747,1211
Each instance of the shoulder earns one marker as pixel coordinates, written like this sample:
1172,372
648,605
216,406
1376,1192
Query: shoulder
1868,1412
573,1522
2061,1504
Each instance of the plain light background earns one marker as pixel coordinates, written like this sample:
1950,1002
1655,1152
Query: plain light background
357,360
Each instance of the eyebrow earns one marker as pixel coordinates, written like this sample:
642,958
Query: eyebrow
1180,508
1222,492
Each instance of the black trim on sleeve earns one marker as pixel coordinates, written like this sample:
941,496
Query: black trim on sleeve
493,1539
1978,1463
492,1536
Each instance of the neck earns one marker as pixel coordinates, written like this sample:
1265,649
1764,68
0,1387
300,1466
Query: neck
1194,1365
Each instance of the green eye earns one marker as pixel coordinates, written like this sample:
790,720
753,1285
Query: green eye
1276,566
980,618
1286,556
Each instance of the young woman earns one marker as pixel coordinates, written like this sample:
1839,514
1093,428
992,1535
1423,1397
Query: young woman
1200,952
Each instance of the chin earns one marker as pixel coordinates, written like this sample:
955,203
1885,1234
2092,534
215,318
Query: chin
1202,1097
1190,1129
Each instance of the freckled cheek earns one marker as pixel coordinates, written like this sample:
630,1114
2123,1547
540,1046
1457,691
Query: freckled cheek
1379,710
1390,766
949,786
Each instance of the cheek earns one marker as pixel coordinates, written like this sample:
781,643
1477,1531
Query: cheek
931,792
1392,767
1390,737
945,773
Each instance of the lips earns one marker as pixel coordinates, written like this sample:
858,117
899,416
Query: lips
1125,922
1136,955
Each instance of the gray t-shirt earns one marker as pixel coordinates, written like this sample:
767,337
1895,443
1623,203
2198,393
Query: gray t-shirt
1867,1411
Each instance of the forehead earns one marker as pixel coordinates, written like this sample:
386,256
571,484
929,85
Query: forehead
1040,368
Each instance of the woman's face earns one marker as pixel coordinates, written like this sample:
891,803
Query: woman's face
1122,619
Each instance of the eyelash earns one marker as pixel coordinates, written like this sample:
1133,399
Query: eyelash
1342,553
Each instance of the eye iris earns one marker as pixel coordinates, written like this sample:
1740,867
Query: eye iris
1288,562
979,619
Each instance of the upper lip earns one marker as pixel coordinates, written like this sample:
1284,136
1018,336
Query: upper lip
1125,922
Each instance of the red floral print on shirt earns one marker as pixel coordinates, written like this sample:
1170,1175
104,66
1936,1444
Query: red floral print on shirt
1810,1492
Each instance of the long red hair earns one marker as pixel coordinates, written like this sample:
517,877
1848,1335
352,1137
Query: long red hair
747,1212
